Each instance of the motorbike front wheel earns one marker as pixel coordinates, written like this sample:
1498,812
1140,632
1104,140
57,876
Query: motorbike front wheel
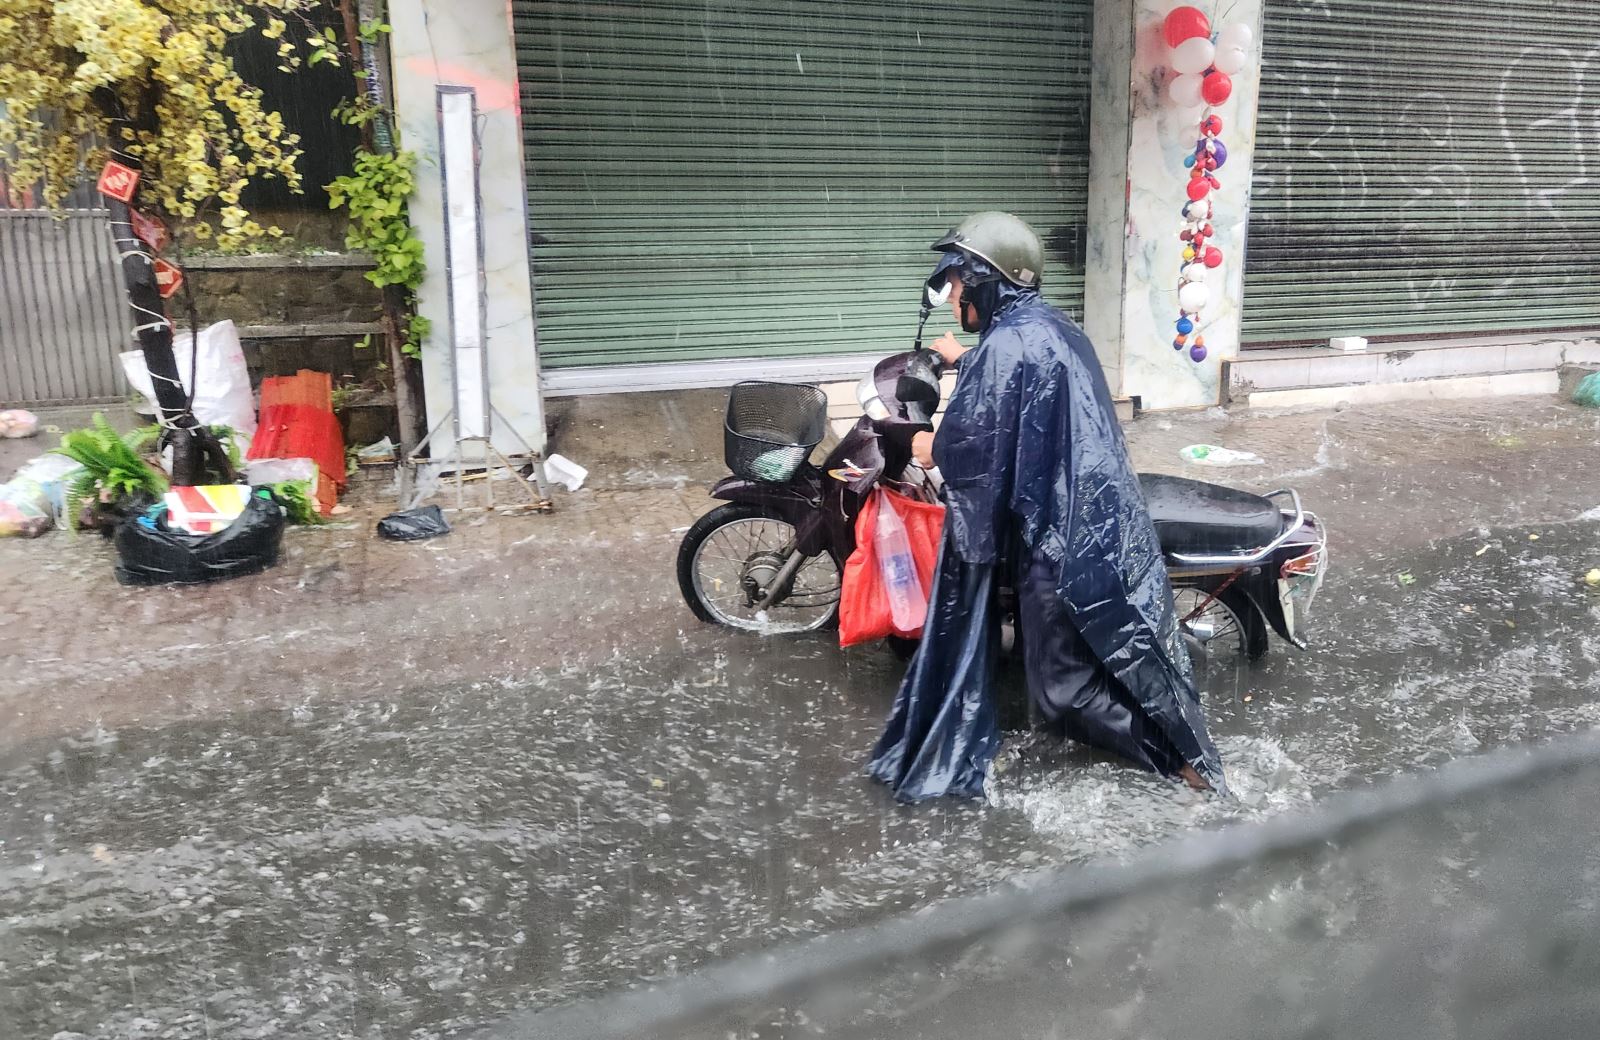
729,560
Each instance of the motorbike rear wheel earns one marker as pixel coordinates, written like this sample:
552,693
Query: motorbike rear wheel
1233,628
729,558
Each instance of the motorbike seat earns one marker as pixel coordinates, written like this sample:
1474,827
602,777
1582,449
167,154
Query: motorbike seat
1193,517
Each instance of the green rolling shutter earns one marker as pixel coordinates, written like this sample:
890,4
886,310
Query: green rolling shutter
756,178
1425,169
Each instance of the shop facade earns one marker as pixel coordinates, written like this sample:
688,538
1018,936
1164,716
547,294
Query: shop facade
683,195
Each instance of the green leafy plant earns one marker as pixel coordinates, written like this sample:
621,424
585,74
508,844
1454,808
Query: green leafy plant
228,437
295,498
324,47
112,467
144,438
375,195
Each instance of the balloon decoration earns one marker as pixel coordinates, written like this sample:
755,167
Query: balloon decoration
1204,64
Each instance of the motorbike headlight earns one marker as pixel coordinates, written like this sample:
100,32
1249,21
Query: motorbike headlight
867,397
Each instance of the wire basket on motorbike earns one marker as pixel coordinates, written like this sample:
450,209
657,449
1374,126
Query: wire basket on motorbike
771,428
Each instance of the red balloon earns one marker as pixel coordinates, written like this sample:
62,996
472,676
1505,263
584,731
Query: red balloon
1213,257
1208,231
1197,172
1212,127
1185,23
1217,88
1187,236
1199,189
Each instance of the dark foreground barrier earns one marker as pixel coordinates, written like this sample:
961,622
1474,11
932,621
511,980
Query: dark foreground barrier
1463,904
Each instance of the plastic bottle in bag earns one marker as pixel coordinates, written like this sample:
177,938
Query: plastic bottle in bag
908,602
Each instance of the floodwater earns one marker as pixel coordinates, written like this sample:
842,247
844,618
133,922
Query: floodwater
425,863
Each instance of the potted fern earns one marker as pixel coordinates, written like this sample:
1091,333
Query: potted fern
116,481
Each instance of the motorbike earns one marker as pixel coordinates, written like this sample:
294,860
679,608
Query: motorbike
1242,566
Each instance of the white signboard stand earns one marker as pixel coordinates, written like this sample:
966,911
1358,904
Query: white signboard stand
472,411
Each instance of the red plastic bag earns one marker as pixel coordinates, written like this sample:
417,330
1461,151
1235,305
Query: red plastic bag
864,613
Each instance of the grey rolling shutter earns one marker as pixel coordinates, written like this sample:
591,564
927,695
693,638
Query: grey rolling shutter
755,178
1425,169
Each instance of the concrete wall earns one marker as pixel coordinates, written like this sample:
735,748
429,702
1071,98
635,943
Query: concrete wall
469,43
1139,139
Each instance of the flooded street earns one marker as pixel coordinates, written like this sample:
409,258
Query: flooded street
407,866
350,816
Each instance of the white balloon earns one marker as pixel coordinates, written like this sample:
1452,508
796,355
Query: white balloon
1186,91
1235,37
1198,210
1195,272
1194,297
1193,56
1232,60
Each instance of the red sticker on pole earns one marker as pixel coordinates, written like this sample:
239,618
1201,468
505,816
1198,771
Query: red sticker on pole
169,278
118,181
151,231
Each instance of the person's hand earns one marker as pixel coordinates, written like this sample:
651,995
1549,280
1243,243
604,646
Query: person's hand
922,450
949,348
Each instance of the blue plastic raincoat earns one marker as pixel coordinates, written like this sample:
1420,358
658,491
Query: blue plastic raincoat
1042,495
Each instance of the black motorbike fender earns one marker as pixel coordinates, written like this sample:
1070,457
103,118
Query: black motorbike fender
1261,585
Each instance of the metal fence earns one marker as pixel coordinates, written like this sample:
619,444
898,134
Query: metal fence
1461,905
63,320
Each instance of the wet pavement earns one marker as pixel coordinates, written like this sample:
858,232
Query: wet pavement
401,790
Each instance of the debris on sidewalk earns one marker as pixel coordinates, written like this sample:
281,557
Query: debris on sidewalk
221,393
205,510
276,473
565,472
54,474
414,525
25,510
150,552
377,453
1588,392
1212,455
297,422
299,503
116,481
16,424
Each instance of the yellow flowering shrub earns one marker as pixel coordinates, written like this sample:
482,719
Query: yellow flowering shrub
149,79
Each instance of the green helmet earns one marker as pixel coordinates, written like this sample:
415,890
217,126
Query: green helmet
1002,241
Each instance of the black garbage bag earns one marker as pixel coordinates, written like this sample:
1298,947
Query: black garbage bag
150,553
414,525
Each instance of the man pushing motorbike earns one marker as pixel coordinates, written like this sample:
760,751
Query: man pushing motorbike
1039,489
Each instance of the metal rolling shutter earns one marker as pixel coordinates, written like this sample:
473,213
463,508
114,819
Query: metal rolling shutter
755,178
1424,169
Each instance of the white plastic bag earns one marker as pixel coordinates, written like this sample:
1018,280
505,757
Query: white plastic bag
16,424
1211,455
224,397
25,510
52,474
276,471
